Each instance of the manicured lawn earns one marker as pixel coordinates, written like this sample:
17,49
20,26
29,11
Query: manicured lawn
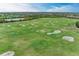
30,37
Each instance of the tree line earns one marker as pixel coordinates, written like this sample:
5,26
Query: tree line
31,16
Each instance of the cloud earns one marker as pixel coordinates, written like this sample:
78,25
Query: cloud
17,7
66,8
38,7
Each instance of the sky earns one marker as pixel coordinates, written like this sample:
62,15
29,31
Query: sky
39,7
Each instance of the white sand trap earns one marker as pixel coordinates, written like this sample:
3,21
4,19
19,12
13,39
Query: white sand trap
8,53
49,33
54,32
68,38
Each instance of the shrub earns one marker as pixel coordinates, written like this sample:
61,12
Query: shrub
77,24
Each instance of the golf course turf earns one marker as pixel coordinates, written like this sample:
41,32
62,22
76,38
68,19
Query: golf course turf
29,38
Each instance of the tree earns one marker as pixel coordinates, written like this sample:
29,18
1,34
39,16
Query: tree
77,24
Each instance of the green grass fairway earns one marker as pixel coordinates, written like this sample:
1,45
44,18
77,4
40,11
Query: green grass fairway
30,37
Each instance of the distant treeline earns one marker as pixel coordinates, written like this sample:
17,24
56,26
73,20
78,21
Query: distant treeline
58,15
34,15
